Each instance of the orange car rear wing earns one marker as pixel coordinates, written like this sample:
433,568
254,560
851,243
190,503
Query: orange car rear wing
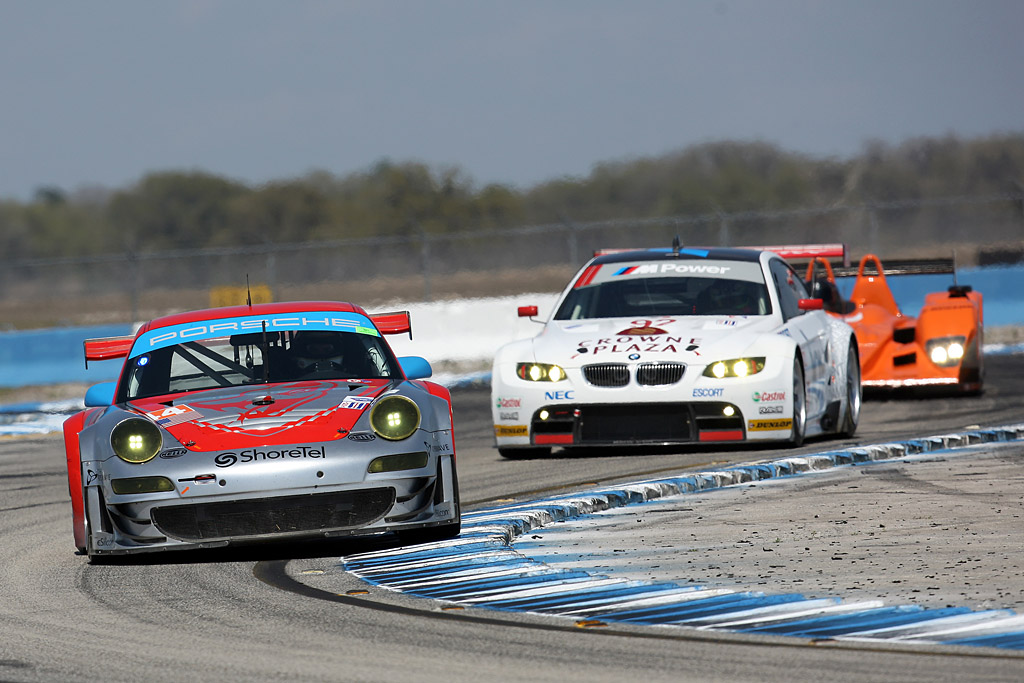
107,348
936,266
395,322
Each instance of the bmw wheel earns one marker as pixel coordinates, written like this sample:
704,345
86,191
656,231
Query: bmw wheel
799,406
853,392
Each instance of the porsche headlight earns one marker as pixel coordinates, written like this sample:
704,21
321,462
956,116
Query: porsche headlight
136,440
400,461
395,418
540,372
946,351
141,485
735,367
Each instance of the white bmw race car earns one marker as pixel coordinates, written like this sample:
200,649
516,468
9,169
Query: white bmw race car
679,346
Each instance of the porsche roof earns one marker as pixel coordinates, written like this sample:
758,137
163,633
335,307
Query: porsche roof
255,309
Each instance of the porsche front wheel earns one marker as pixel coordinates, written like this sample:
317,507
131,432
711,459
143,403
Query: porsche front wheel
523,453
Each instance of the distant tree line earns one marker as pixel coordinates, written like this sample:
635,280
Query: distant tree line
173,210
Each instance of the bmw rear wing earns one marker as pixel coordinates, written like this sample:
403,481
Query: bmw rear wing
810,252
790,252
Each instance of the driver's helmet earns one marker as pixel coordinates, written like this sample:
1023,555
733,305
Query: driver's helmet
730,297
316,350
826,290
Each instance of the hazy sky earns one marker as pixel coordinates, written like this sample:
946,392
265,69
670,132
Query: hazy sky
515,91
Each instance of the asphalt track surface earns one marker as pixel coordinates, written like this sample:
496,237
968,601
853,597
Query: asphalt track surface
290,613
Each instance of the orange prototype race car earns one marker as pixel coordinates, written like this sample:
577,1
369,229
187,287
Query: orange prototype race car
940,347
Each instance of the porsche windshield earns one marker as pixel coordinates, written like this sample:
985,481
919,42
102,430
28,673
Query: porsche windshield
666,295
258,358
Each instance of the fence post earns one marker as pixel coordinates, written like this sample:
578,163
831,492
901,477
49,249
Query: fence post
872,229
572,241
424,259
272,272
134,284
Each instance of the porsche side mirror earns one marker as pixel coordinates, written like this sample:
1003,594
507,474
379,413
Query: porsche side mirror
99,395
811,304
415,367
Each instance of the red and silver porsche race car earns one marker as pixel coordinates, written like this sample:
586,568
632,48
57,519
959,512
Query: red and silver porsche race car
939,347
271,421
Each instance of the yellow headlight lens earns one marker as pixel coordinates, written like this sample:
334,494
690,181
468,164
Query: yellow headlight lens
395,418
735,367
401,461
540,372
141,485
136,440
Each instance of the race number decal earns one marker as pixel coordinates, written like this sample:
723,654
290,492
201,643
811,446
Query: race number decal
172,415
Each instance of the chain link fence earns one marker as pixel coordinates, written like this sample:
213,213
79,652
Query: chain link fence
424,266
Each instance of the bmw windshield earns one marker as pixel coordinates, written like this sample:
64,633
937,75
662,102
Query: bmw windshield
636,290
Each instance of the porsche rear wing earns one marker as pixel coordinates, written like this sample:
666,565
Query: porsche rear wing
394,322
107,348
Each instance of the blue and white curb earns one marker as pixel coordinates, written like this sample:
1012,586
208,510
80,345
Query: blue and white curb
19,419
481,569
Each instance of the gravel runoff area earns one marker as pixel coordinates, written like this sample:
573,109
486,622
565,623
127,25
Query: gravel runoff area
943,529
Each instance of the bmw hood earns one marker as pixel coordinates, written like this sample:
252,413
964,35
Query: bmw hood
694,339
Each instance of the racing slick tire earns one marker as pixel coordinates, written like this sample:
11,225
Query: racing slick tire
796,439
851,416
523,453
430,534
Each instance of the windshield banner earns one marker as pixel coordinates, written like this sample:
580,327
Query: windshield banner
224,327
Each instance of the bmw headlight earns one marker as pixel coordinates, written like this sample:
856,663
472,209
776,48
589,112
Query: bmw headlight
540,372
136,440
946,351
395,418
735,367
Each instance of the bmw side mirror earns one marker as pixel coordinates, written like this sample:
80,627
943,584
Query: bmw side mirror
415,367
811,304
99,395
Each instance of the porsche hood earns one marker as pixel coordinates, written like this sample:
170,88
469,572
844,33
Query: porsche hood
266,414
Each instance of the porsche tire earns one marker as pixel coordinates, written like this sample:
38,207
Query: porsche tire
523,453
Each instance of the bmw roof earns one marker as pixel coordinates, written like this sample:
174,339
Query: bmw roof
666,254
